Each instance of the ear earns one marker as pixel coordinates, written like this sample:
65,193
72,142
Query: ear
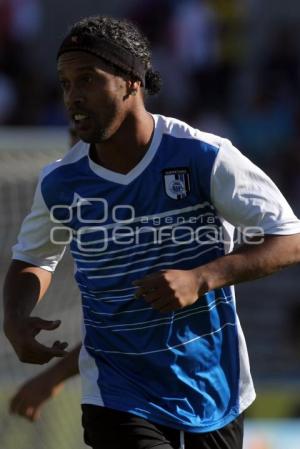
133,87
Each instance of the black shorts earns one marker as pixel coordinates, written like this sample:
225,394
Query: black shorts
105,428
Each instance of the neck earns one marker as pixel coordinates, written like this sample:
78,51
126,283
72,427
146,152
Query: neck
122,152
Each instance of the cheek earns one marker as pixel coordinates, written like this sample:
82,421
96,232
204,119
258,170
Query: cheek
114,103
118,88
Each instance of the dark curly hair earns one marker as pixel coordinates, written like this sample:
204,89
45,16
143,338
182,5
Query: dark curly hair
125,35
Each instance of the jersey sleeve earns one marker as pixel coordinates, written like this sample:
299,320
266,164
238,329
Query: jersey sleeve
35,244
246,197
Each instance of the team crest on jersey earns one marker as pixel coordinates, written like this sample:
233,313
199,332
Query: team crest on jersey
177,182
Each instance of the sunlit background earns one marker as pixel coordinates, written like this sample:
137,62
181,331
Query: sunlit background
230,67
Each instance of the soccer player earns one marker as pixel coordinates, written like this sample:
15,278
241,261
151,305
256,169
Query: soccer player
149,205
32,395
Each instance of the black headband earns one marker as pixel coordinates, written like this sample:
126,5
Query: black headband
111,53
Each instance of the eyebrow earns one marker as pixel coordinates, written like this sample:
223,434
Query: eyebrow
82,69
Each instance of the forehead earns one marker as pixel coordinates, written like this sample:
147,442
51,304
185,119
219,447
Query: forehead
80,60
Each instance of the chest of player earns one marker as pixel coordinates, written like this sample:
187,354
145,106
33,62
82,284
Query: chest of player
157,202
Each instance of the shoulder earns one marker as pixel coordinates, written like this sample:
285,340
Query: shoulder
64,172
178,129
77,152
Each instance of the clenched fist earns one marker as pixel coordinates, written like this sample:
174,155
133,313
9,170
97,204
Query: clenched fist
169,290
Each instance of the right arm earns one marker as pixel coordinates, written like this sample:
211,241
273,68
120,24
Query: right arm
24,286
35,258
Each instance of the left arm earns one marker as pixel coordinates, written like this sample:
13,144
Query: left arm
169,290
245,197
251,262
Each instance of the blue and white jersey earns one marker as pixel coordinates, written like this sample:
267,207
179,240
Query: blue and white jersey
177,208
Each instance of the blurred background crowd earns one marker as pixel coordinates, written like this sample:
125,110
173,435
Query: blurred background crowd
229,67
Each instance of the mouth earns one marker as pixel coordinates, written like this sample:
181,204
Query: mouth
81,120
79,116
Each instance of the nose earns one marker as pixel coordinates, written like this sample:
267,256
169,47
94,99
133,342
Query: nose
74,97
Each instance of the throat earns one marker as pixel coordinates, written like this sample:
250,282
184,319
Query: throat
118,162
123,152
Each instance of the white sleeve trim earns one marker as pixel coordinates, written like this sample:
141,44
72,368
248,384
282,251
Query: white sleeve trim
44,264
246,197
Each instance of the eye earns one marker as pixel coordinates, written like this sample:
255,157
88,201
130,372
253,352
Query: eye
87,79
64,84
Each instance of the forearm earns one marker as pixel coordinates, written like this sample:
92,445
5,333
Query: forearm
24,286
251,262
65,368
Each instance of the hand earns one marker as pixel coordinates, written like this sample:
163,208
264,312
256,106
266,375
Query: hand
22,333
169,290
29,399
